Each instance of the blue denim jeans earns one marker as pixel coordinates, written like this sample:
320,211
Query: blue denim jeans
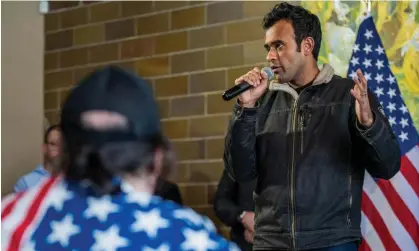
351,246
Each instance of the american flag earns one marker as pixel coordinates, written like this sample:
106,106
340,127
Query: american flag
390,209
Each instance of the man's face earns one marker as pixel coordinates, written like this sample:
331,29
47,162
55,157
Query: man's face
283,56
52,148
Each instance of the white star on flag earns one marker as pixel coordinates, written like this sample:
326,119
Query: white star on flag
100,208
109,240
197,240
368,34
149,222
63,230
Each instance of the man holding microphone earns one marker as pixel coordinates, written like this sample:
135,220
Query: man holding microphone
308,138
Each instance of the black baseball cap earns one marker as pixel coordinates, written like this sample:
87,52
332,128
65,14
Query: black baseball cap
115,90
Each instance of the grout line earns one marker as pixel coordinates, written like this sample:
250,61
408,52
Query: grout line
150,34
123,18
197,116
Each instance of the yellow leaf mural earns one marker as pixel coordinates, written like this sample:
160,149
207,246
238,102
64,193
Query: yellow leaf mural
398,26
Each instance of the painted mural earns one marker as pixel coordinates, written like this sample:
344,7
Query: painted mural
398,26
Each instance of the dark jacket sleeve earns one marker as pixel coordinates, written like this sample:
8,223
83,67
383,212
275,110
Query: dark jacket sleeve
225,206
173,194
168,191
376,146
239,151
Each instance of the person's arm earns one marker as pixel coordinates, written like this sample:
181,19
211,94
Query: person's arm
20,185
376,146
239,150
224,206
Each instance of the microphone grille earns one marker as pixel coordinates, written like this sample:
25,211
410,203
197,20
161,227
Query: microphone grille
268,72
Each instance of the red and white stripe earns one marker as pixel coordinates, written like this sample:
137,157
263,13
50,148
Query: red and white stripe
390,209
15,229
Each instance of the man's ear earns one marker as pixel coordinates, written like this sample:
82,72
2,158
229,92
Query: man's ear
307,46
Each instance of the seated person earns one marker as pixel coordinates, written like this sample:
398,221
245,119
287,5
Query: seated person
103,200
51,150
234,206
168,191
164,188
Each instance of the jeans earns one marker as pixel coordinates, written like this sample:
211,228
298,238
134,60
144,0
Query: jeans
351,246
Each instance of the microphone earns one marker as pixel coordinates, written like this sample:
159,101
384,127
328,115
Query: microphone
244,86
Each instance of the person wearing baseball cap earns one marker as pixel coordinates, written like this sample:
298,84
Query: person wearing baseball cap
113,156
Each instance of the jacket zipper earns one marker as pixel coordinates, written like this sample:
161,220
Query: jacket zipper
302,131
348,219
292,195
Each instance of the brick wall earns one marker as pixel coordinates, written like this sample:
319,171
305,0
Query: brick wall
189,51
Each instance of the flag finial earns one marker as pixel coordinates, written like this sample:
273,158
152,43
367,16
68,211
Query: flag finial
368,12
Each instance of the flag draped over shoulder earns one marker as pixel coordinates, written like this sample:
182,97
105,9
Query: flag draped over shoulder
390,209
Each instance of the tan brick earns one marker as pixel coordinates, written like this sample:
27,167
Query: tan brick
130,65
74,17
59,40
63,96
209,212
189,150
215,148
208,126
168,5
225,232
171,42
180,173
59,79
218,12
175,129
225,56
160,23
132,8
89,34
105,11
120,29
52,61
104,53
215,104
253,31
80,73
194,194
164,108
74,57
139,47
51,100
188,18
171,86
206,37
52,117
58,5
187,62
52,21
254,52
152,66
257,8
206,171
208,81
187,106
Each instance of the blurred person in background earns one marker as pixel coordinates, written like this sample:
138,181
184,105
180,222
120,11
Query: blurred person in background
166,189
234,206
51,150
114,154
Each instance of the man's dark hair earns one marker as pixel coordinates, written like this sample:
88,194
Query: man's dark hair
49,130
304,23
